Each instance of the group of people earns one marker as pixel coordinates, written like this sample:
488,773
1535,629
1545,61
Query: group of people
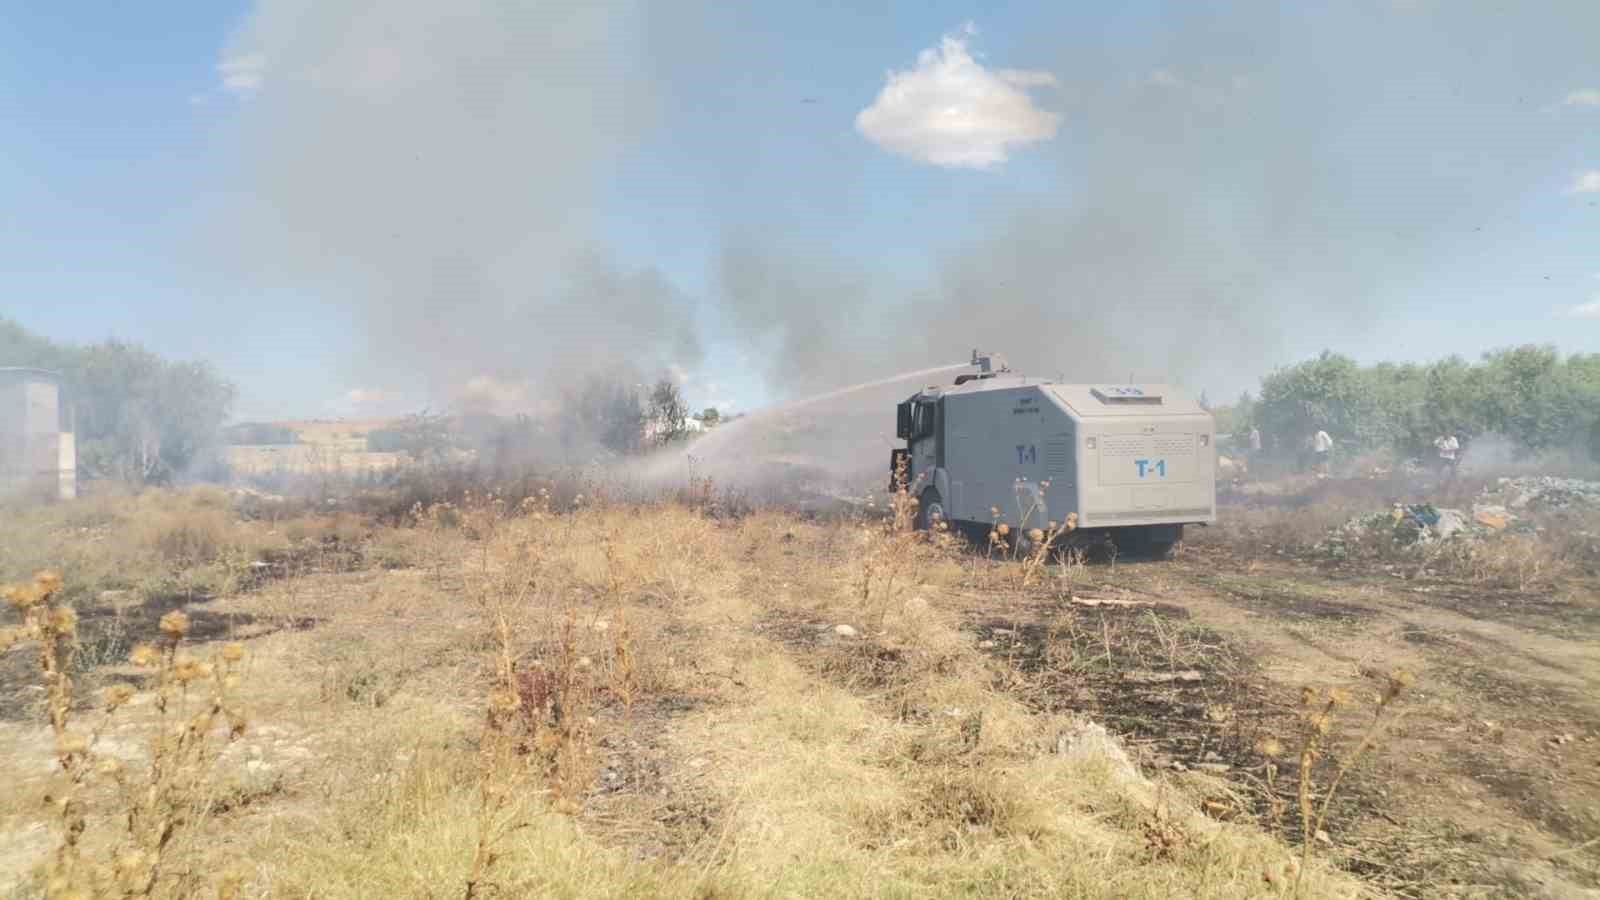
1320,447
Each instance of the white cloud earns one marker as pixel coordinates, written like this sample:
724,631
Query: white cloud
1587,183
364,397
1590,97
951,111
1590,310
243,74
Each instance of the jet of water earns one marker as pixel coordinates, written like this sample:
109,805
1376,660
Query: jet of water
736,445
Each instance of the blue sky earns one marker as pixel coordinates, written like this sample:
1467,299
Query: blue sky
389,200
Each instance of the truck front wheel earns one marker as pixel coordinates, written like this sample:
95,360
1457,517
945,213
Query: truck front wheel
930,510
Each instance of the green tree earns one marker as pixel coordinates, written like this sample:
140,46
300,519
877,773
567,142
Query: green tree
604,411
669,415
710,416
19,347
1529,395
1527,400
423,436
1327,393
139,417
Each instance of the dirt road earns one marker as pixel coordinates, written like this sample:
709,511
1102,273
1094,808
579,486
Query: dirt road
1488,783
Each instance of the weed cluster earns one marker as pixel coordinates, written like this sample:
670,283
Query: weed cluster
118,823
1318,711
539,729
893,551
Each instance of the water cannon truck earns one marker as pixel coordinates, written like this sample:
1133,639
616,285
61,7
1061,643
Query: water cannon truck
1080,463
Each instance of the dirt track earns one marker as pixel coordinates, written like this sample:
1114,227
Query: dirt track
1489,785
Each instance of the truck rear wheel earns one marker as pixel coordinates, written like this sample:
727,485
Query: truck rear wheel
1150,541
930,510
1159,549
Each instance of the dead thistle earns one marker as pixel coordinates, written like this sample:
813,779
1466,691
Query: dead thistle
1318,714
153,805
624,666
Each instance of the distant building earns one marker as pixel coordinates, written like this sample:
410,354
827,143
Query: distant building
38,445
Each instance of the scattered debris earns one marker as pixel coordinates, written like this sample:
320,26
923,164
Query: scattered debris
247,495
1545,492
1086,600
843,630
1495,517
1422,524
1189,676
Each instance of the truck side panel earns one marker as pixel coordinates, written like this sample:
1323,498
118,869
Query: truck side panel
1147,470
1002,445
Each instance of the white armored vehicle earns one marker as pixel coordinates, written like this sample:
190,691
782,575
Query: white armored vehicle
1135,462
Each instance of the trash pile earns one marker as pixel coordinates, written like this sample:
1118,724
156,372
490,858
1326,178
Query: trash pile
1543,492
1419,525
1506,506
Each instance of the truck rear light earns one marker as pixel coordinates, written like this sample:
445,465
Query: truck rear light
1088,443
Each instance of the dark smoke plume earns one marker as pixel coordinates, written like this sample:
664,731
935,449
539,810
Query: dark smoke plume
436,168
1252,184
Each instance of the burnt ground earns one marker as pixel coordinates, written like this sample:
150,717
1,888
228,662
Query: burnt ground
1485,781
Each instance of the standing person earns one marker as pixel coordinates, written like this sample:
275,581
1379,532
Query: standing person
1255,442
1321,444
1449,449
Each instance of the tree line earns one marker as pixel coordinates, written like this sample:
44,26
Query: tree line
138,417
605,412
1531,396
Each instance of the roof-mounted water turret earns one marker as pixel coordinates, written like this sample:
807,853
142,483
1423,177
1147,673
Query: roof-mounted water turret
987,364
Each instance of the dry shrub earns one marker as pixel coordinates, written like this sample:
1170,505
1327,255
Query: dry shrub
407,826
538,731
1250,531
185,543
1510,561
190,537
892,556
339,528
118,824
1318,712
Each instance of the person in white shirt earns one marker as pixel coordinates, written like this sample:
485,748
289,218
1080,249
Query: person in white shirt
1321,444
1449,448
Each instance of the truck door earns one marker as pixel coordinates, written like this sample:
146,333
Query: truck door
925,448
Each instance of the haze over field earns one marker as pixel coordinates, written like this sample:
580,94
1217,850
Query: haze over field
483,202
451,448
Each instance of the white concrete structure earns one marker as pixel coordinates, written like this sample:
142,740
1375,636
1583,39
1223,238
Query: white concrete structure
38,445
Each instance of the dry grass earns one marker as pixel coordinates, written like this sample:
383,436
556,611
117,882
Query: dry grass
120,828
588,698
1513,562
1318,712
189,543
1543,550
